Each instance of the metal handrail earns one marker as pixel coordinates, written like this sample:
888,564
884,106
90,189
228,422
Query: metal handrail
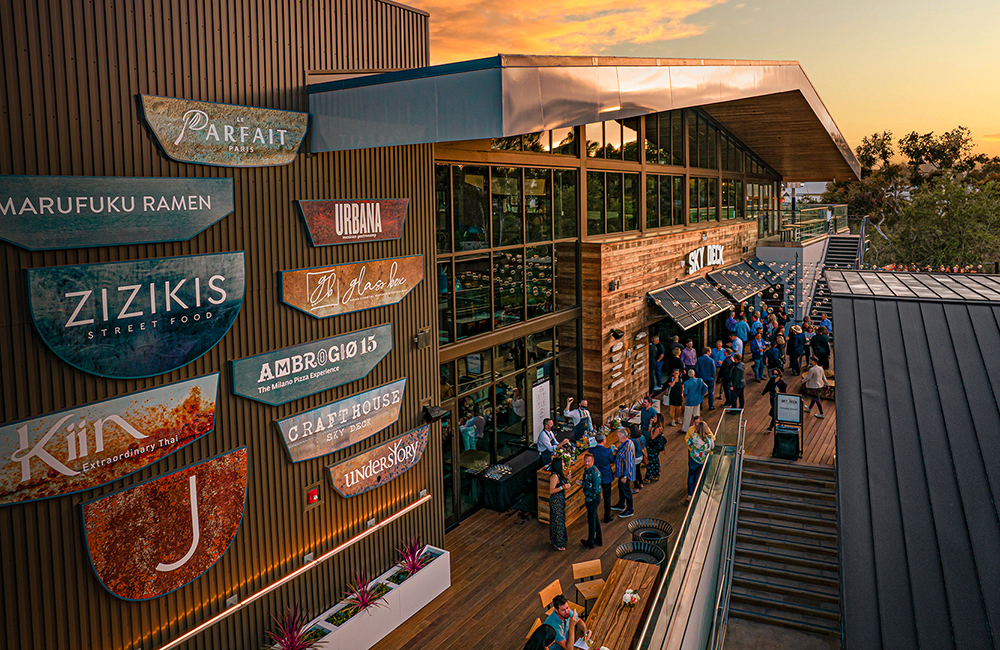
721,621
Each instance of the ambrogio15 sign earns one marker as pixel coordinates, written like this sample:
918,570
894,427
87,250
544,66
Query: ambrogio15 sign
155,537
333,290
379,465
302,370
94,444
225,135
342,423
51,212
349,221
136,319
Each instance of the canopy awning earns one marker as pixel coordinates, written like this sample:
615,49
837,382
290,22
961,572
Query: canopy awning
740,281
690,303
765,271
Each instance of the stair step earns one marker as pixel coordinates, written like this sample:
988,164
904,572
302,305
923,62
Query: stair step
783,621
783,476
815,495
825,613
797,467
787,584
809,519
787,501
769,555
784,573
751,587
814,533
769,541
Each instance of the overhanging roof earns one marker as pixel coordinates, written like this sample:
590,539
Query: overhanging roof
740,281
918,458
690,303
770,105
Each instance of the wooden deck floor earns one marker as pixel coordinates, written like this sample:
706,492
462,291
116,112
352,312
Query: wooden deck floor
500,562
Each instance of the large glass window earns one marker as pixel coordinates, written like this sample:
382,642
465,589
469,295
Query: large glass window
614,202
664,138
630,139
564,264
595,203
508,287
702,142
539,346
509,357
564,141
595,140
704,206
472,207
565,203
538,203
539,272
630,201
664,201
445,310
474,370
557,141
442,203
472,296
507,222
612,140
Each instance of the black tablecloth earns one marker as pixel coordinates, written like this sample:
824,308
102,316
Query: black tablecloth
501,494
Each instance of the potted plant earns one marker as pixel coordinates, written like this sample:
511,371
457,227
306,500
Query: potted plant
412,559
424,572
293,633
361,595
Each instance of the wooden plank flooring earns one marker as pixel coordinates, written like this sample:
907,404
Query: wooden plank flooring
500,562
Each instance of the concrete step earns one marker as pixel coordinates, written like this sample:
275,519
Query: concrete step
745,551
811,549
824,611
819,534
788,585
805,624
780,514
777,572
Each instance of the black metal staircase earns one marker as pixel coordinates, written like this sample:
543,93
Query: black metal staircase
842,252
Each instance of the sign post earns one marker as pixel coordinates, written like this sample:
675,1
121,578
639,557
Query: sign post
788,434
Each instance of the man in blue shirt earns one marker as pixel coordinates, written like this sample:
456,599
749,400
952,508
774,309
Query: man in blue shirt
736,343
758,323
565,621
694,395
757,349
625,470
646,416
603,457
742,329
827,323
705,370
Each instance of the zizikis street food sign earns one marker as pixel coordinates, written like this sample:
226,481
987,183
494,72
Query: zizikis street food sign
88,446
379,465
136,319
302,370
328,291
224,135
341,424
55,212
152,538
349,221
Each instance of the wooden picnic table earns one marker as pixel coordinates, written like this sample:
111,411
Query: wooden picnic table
614,624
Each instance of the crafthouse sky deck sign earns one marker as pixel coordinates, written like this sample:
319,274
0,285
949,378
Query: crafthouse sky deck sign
136,319
224,135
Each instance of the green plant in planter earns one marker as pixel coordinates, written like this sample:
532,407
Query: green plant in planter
411,559
292,633
360,596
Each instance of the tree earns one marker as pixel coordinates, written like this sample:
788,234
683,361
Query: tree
879,194
927,155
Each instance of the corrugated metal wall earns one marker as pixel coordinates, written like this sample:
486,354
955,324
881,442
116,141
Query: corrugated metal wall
71,71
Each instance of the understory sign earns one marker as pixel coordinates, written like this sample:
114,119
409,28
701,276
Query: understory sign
342,423
155,537
349,221
53,212
333,290
226,135
136,319
94,444
301,370
380,464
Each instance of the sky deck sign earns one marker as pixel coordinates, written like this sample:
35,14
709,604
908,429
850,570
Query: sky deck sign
94,444
136,319
343,423
350,221
56,212
224,135
328,291
379,465
155,537
302,370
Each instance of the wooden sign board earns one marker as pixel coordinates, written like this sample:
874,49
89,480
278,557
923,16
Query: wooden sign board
617,382
617,346
379,465
153,538
351,221
328,291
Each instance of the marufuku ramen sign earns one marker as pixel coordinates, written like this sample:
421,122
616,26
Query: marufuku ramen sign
350,221
333,290
54,212
225,135
379,465
136,319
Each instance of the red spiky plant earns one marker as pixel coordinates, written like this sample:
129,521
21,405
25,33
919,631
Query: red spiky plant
292,632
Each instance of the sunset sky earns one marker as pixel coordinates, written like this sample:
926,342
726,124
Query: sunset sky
877,64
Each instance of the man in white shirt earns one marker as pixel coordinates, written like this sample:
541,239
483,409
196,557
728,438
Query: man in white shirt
546,441
582,422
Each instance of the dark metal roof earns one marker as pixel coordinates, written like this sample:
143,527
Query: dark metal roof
690,303
740,281
764,270
918,458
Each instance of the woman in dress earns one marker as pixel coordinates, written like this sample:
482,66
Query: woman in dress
700,441
557,505
675,392
656,444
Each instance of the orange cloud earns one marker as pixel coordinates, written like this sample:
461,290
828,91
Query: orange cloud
478,28
993,137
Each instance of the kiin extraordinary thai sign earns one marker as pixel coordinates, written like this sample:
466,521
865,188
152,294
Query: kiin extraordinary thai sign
301,370
91,445
136,319
155,537
225,135
52,212
349,221
342,423
333,290
379,465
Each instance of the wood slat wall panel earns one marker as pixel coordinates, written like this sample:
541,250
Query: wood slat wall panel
70,76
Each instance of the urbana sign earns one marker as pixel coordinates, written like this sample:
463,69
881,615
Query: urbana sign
350,221
152,538
224,135
699,258
88,446
302,370
55,212
379,465
340,424
136,319
334,290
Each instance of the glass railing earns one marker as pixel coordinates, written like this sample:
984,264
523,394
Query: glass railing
691,601
811,221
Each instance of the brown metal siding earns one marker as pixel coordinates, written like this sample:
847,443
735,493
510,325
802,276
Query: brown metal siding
71,71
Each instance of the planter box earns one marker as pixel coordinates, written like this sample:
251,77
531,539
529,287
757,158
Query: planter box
426,584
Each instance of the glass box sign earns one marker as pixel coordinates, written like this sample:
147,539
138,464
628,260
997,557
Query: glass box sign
340,424
349,221
333,290
379,465
302,370
55,212
224,135
136,319
153,538
88,446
